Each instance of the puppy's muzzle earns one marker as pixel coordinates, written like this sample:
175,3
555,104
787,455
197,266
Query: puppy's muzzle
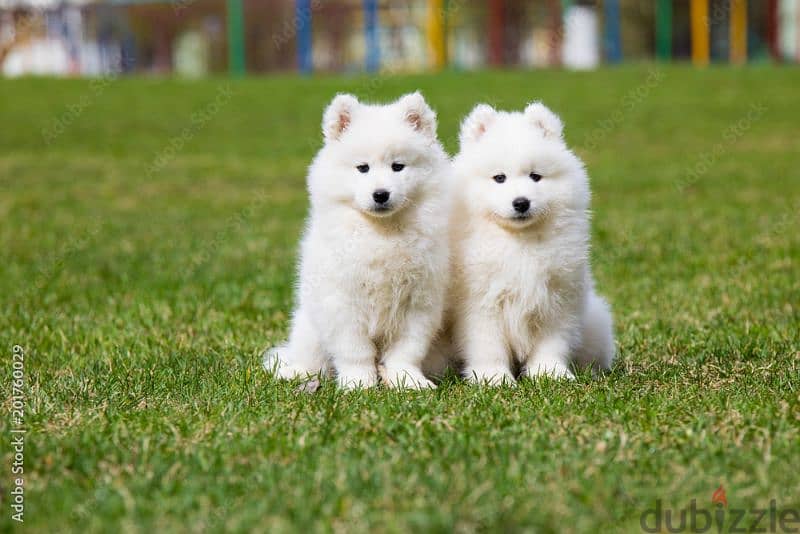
381,196
521,204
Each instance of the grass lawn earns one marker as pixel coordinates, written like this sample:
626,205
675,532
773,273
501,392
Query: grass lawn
148,237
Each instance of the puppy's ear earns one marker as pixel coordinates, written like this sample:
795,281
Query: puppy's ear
544,119
338,115
476,123
418,113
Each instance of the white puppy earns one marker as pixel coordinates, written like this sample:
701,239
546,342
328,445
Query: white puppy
522,292
373,264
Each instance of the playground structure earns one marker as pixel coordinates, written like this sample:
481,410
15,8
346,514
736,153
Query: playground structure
196,37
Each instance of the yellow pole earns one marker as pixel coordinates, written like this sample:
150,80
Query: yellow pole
700,32
435,33
738,31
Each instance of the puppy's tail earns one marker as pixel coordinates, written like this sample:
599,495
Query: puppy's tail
597,340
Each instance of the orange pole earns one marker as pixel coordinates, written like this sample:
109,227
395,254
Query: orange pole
701,47
738,31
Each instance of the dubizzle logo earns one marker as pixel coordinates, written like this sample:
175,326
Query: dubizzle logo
694,519
719,497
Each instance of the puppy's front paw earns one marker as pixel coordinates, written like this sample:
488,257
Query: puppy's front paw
290,372
404,378
357,378
271,360
549,368
275,363
491,376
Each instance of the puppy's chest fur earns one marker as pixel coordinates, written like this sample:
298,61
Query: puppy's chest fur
380,271
384,269
528,287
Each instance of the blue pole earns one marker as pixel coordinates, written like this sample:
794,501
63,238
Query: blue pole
373,59
612,34
303,24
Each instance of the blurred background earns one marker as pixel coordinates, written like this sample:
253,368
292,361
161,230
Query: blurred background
152,193
195,38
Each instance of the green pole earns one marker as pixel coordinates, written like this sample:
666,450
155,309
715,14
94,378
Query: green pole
664,30
236,64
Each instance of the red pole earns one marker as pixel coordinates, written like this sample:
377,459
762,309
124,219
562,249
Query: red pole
496,30
772,29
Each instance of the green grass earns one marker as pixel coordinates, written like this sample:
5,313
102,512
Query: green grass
144,295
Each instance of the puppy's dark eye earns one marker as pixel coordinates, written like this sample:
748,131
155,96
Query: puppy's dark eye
535,176
397,167
363,168
499,178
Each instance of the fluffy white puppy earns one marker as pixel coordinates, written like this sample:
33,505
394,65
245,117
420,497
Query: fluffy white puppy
522,293
373,266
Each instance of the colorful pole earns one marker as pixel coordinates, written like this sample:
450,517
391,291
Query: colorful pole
701,48
556,32
788,34
738,31
373,59
435,31
303,23
612,33
496,27
797,33
236,61
664,30
772,29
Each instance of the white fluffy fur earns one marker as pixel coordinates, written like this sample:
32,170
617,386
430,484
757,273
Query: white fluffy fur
522,287
372,283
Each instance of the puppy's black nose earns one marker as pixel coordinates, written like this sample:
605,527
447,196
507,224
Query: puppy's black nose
380,196
521,204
